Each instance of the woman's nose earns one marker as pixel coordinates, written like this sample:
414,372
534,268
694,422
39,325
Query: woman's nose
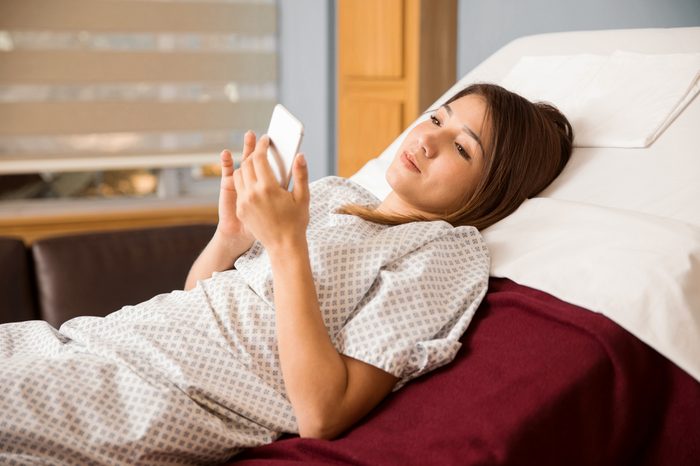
428,141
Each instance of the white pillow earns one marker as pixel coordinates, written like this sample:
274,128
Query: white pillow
621,99
641,271
659,180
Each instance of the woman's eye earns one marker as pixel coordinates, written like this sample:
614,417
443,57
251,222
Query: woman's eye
462,151
435,120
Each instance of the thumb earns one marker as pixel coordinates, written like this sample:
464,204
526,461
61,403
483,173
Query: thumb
301,179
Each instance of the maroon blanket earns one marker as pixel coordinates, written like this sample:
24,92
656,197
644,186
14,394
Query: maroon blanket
537,381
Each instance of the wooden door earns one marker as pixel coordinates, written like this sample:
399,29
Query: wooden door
395,57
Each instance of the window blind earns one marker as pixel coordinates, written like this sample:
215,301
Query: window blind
104,84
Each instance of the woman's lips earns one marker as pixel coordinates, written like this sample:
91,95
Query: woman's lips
408,162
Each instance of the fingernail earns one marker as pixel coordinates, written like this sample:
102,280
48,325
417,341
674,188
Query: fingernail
302,160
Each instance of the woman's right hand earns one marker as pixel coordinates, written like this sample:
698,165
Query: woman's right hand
230,227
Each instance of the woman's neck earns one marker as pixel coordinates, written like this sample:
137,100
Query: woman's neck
394,205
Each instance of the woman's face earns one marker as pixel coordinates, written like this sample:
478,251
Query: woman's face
441,160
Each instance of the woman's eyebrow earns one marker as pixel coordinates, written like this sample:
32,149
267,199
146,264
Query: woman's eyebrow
466,128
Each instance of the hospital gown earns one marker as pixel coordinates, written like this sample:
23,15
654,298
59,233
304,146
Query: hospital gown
194,376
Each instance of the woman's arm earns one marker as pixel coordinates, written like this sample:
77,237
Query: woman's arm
231,238
328,391
219,254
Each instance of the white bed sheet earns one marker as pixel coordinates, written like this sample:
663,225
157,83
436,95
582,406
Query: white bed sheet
650,284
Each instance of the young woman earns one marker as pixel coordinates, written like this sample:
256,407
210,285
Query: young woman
302,313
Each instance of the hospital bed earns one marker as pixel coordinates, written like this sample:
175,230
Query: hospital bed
586,349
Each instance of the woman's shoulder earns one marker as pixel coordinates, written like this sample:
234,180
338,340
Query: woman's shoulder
434,229
435,236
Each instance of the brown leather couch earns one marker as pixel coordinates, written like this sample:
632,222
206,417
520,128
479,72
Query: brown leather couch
56,279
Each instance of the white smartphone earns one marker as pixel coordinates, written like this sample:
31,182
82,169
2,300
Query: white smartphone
285,134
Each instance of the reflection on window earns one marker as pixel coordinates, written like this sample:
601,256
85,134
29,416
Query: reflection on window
132,183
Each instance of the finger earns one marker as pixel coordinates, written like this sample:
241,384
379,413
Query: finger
263,171
226,163
300,173
238,183
248,168
250,173
248,143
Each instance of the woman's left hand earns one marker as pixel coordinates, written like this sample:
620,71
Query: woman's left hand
276,217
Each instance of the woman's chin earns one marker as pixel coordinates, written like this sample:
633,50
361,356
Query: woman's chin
390,177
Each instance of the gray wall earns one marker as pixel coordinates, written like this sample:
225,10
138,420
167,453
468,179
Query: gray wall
307,47
487,25
307,77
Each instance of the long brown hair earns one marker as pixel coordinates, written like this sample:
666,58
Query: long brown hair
530,145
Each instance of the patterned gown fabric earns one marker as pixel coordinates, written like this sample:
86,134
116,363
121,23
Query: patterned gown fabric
193,376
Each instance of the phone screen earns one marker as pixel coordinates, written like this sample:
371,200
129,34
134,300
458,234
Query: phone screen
285,132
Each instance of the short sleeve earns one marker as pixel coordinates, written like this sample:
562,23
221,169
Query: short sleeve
411,319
